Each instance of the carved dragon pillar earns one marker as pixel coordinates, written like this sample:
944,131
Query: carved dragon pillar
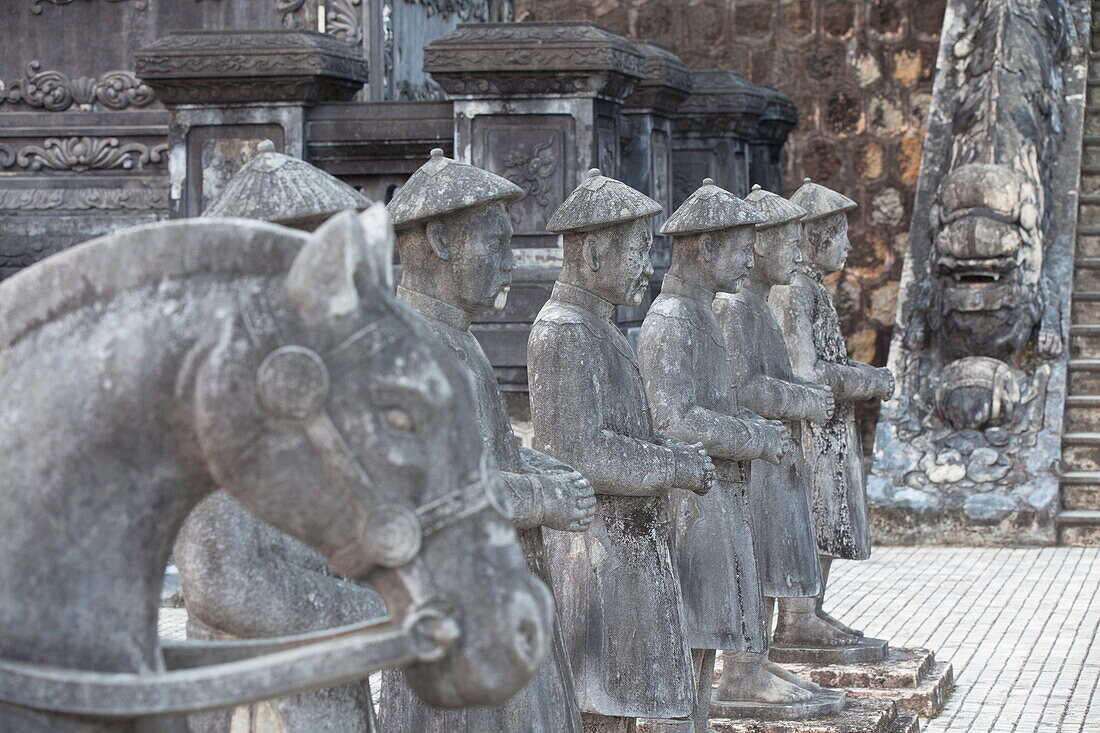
967,452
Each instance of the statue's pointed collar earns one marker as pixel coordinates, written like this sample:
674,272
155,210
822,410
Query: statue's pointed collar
435,309
566,293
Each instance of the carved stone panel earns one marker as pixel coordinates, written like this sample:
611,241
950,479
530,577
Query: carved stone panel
535,153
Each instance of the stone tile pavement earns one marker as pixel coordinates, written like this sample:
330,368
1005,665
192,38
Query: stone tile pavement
1020,627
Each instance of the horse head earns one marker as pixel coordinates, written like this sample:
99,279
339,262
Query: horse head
328,409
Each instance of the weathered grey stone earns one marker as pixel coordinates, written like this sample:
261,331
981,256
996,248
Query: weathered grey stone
823,704
810,324
193,359
987,274
863,650
457,261
616,584
284,190
689,382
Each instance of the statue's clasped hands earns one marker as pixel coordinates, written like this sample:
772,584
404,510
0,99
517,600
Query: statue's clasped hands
568,501
822,403
777,441
694,469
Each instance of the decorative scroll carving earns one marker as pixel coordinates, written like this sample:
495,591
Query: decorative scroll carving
428,91
55,92
532,168
344,20
291,11
36,5
466,10
85,153
7,155
81,199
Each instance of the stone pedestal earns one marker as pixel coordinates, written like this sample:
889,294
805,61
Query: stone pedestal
226,91
540,104
824,704
858,716
912,678
867,650
713,130
647,138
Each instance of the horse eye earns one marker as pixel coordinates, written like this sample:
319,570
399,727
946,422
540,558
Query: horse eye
398,419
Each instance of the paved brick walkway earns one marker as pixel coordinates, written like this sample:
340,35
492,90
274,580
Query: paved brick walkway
1020,627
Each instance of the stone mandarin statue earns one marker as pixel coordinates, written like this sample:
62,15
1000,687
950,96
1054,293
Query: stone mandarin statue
453,236
689,382
810,324
783,525
617,589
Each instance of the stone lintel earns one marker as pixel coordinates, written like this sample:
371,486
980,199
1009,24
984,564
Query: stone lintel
576,58
232,67
667,83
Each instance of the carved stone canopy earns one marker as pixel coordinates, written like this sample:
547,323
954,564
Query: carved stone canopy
711,209
777,209
230,67
284,190
599,202
723,102
667,81
518,59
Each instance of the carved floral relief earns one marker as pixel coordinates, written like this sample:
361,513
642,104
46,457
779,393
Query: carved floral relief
83,153
53,91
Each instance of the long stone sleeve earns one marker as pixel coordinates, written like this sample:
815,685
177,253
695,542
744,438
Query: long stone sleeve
668,367
526,499
539,462
776,399
794,309
566,410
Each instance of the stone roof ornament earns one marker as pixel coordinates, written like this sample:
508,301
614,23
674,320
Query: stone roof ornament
777,209
284,190
444,186
711,209
819,201
599,202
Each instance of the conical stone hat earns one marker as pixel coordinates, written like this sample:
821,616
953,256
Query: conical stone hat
284,190
600,202
711,209
819,201
777,209
444,186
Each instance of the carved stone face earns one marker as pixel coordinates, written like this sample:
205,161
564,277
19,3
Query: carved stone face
777,253
618,255
732,257
476,243
828,243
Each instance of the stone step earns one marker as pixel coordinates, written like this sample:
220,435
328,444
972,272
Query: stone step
1082,413
1086,306
1080,527
1086,273
1084,340
1088,236
1090,151
1080,490
1081,451
1084,376
865,715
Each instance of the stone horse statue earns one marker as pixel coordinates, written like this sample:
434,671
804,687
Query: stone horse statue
145,369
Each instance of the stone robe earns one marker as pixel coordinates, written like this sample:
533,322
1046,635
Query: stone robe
616,584
689,382
548,704
779,499
834,456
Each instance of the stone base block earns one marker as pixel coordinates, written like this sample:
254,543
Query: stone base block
823,704
910,677
860,715
867,650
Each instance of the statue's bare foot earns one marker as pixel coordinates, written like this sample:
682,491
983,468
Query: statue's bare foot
754,683
807,629
791,677
843,627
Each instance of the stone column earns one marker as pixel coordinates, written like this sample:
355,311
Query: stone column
713,130
227,90
647,137
766,147
540,104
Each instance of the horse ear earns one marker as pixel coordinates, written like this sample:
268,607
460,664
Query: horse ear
377,265
321,280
